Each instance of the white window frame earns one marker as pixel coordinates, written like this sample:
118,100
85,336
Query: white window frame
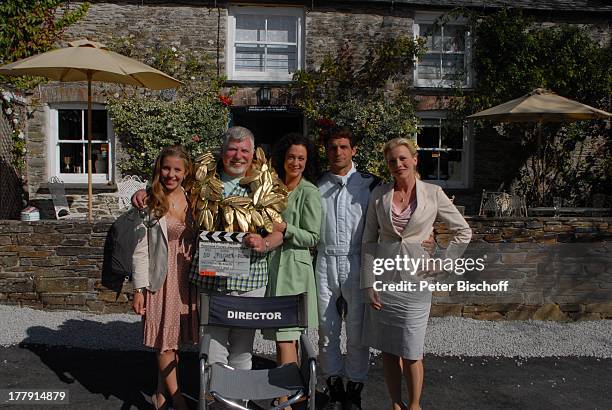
233,11
466,152
467,82
53,163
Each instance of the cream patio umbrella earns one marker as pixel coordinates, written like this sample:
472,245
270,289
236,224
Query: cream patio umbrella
540,105
85,60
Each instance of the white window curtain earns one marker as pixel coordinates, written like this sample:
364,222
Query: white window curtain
264,43
447,60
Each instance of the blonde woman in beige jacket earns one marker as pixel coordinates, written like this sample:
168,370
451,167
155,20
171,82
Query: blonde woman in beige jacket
400,216
161,263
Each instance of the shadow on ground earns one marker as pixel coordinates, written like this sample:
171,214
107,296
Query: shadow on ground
117,379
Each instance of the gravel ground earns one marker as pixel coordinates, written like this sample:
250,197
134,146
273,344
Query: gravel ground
445,336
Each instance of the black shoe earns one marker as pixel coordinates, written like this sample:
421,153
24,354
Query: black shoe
352,400
335,390
342,307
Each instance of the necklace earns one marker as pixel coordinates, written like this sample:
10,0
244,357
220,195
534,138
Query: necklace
173,203
402,197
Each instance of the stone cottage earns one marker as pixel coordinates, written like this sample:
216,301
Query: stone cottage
297,36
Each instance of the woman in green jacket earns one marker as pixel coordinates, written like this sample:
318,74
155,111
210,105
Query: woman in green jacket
296,162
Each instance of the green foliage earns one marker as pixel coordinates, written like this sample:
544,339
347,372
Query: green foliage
146,125
513,56
31,27
195,116
343,93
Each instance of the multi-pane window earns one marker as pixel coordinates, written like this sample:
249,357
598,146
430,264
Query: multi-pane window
264,43
447,60
69,144
443,152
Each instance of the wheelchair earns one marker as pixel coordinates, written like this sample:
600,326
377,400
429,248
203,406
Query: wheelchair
230,386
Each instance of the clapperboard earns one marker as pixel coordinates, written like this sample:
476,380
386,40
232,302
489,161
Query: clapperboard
223,254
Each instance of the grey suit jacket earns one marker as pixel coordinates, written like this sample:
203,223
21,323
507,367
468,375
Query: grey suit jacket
381,239
150,261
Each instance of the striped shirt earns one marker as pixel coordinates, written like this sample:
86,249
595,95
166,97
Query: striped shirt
258,275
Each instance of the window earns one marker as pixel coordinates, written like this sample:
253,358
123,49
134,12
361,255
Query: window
448,58
443,151
68,143
264,43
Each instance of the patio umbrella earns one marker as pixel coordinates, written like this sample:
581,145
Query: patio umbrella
85,60
540,106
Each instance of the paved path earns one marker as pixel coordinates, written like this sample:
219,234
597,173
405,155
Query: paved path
104,379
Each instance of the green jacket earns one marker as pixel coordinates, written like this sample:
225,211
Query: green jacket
290,266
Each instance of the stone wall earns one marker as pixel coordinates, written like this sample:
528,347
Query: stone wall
329,28
189,24
559,268
57,265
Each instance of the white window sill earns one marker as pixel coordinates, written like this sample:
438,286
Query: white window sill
260,79
440,84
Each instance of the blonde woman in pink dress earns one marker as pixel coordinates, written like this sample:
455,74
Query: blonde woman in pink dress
161,264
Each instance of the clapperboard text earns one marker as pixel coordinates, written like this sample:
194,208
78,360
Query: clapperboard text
223,254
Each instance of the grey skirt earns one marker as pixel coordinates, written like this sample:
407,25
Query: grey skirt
399,327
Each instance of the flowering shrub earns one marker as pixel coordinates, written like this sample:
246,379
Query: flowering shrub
225,100
341,93
145,125
195,115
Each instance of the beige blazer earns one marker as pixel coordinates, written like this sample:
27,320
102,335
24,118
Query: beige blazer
150,262
381,239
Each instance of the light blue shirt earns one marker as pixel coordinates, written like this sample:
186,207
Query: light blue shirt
229,183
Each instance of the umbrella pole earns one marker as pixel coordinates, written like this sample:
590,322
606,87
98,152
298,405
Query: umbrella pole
89,169
541,159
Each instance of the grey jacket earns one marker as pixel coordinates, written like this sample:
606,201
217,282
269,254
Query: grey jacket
150,260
